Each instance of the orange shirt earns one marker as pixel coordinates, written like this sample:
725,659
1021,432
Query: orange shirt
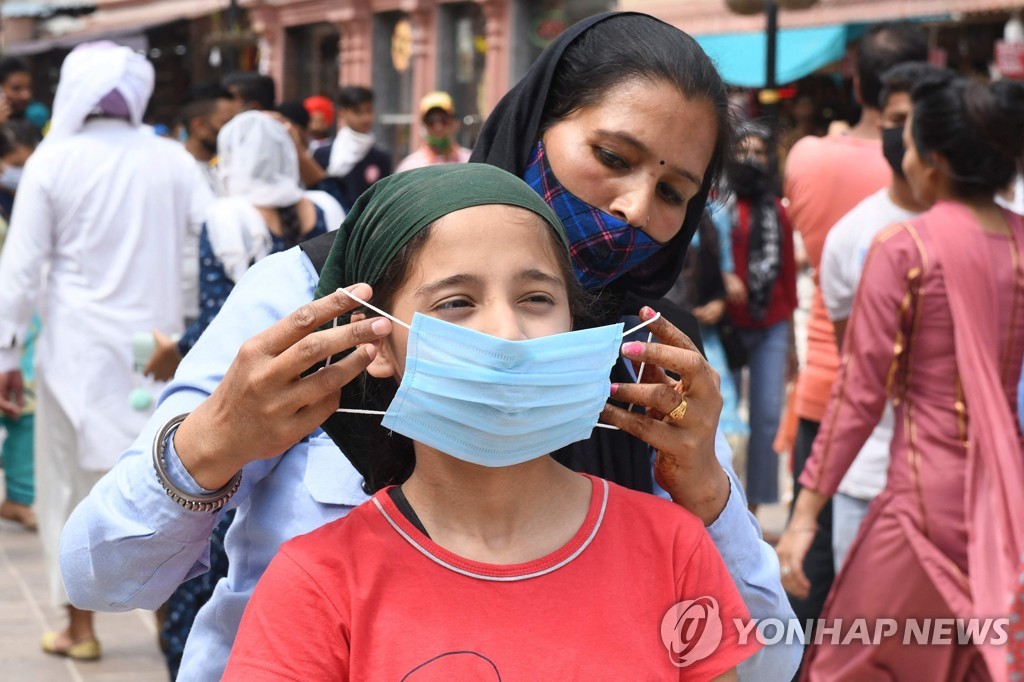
825,178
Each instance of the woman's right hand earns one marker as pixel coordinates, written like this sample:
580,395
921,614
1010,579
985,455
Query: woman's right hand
264,405
735,290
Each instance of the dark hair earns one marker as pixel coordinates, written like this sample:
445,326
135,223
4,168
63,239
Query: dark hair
252,87
977,128
21,133
201,100
639,47
759,129
903,77
883,47
12,65
295,112
351,96
291,225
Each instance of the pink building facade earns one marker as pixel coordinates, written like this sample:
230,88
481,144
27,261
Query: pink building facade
403,49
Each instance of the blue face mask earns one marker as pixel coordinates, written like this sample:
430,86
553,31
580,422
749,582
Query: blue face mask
601,246
495,402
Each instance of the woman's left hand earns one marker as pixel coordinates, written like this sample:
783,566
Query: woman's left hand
710,313
681,420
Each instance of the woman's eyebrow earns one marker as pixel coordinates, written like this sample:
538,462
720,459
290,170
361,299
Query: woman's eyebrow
626,138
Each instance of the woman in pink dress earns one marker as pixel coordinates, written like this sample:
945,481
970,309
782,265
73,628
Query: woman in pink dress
938,329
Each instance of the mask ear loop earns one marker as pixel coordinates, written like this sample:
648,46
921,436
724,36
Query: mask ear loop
640,373
372,307
352,410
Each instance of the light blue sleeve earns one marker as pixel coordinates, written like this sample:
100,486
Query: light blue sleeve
754,568
1020,401
128,545
721,217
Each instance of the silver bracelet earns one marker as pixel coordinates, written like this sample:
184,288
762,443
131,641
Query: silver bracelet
202,503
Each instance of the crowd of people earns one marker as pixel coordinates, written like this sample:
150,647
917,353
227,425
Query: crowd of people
306,402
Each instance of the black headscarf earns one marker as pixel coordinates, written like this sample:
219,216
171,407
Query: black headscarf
513,128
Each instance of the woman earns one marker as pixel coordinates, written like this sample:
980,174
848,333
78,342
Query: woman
938,327
480,530
264,211
701,289
255,394
763,258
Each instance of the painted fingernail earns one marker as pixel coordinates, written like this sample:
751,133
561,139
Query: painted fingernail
615,387
647,313
380,326
632,348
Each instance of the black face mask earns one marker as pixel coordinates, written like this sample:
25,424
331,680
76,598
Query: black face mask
893,149
748,178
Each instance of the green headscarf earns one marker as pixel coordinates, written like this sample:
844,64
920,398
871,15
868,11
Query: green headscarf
395,209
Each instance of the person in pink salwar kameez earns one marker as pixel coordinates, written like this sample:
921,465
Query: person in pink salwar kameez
937,328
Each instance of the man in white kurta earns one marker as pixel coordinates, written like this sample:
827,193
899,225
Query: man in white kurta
102,210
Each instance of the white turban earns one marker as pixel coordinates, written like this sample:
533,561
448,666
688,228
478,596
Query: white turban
92,71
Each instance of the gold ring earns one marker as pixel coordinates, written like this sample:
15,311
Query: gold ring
679,412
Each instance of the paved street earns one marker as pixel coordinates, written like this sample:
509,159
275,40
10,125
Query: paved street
129,639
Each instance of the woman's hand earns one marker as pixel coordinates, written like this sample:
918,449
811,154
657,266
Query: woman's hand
735,291
12,393
686,465
710,313
796,541
165,360
264,405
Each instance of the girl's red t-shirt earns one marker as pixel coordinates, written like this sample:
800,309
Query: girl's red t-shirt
370,597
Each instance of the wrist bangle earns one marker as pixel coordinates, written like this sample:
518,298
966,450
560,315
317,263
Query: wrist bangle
203,503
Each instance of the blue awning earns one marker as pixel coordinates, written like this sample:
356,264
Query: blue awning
799,51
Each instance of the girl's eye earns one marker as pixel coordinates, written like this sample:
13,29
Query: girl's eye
453,304
540,298
610,159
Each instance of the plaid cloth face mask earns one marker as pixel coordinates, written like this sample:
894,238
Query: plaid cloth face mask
602,247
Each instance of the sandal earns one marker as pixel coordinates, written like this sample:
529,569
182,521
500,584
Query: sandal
86,650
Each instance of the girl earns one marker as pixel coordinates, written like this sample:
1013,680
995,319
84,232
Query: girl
491,553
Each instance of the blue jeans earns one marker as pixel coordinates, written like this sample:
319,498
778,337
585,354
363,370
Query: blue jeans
847,515
768,350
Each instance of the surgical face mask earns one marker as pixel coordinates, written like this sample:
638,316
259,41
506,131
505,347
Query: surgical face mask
495,402
10,177
601,246
894,149
440,144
